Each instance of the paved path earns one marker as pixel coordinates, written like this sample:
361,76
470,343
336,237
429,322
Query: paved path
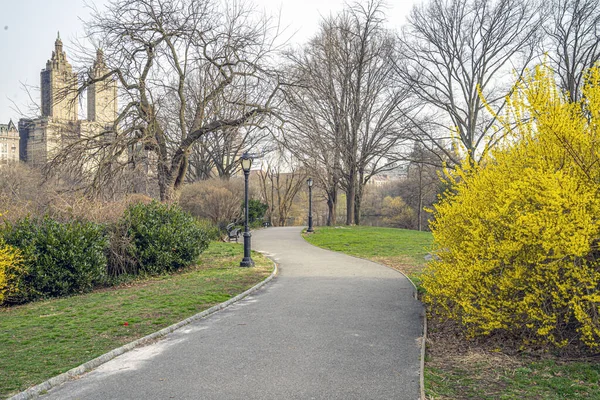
328,327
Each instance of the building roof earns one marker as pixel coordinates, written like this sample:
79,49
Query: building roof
10,127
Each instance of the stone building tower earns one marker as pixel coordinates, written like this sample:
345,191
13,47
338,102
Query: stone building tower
59,87
9,143
101,96
59,125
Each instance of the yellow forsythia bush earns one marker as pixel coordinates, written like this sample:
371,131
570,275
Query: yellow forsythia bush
517,236
11,270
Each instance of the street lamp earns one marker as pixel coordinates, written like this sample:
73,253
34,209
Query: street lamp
310,225
246,162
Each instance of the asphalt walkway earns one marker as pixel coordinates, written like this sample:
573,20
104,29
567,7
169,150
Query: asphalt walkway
328,327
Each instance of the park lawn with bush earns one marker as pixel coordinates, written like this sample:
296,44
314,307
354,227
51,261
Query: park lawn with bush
48,337
457,367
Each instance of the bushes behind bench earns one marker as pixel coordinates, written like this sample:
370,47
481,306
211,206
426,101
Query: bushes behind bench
163,237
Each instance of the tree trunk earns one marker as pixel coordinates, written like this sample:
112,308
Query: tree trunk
165,189
350,193
419,212
358,197
332,207
357,203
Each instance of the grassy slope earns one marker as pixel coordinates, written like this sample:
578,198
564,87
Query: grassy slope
399,248
45,338
472,374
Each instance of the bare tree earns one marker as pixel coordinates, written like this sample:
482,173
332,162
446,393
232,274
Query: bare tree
279,184
214,199
185,68
422,181
345,116
312,139
454,51
201,164
221,149
574,38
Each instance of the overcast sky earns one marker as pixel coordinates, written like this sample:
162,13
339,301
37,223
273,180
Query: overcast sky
28,30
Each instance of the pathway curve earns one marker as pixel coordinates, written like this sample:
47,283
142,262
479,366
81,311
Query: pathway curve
328,327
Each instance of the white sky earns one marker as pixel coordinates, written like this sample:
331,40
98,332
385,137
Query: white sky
28,29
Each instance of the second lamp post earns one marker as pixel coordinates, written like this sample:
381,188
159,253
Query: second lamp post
310,222
246,162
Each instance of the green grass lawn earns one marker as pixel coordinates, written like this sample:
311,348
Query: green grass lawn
450,372
489,377
401,249
43,339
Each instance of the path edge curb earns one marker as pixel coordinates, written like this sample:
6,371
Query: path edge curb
37,390
415,295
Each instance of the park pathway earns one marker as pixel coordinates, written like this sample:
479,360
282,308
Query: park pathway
328,327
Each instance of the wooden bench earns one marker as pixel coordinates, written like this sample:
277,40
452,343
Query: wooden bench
233,232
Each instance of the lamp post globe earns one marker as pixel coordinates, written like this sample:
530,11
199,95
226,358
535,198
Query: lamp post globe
246,162
310,219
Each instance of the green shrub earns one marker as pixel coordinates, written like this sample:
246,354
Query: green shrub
60,258
256,210
213,232
163,237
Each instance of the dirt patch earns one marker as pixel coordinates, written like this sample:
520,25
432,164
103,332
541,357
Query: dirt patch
404,264
483,368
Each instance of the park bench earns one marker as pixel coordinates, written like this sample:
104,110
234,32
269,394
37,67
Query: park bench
233,232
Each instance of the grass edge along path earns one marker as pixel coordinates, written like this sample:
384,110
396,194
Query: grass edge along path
46,338
400,249
463,371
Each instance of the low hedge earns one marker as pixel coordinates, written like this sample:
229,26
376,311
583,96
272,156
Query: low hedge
60,258
42,258
163,237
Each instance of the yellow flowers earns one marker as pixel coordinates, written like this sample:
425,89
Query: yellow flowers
518,235
11,268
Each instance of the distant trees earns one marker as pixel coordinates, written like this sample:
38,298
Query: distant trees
216,154
279,183
573,37
344,113
422,184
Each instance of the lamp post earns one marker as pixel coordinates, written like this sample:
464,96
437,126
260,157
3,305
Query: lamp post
246,162
310,224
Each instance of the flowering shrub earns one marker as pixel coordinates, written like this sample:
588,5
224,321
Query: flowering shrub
11,269
517,236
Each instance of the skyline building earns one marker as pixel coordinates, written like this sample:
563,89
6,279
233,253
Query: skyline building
41,138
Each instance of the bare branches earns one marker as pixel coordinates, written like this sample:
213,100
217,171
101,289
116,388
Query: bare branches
574,38
453,50
279,184
344,114
186,69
